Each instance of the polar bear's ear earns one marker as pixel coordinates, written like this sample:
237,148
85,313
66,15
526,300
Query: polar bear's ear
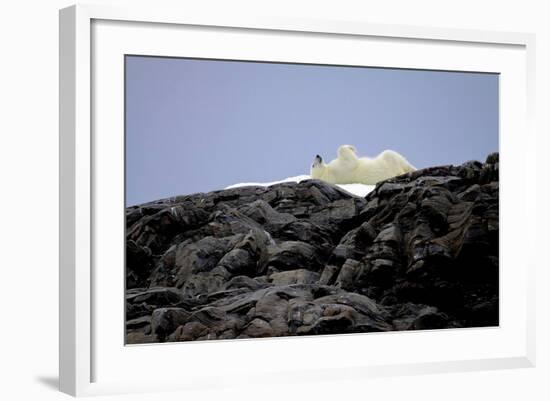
353,148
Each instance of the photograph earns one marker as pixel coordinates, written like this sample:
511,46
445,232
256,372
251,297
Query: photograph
273,199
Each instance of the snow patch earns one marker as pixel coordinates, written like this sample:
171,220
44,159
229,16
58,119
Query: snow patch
356,189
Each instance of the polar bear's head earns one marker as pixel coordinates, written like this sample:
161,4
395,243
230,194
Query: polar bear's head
318,167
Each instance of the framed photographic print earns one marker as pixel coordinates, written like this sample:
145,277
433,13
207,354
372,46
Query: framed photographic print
269,197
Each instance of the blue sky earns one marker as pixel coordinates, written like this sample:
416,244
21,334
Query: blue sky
201,125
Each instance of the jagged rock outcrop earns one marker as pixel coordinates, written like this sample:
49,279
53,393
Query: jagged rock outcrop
419,252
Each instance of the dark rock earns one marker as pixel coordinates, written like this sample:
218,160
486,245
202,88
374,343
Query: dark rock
347,277
164,321
156,296
272,307
429,320
341,320
245,282
238,261
341,313
299,276
139,263
262,213
305,231
258,328
492,158
138,330
354,244
418,317
329,274
201,256
205,283
140,337
290,255
484,313
138,323
418,252
191,331
340,214
134,311
156,230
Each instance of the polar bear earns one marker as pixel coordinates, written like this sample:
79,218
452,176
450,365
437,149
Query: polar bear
348,168
338,171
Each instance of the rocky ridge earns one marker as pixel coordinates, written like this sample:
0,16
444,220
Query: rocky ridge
418,252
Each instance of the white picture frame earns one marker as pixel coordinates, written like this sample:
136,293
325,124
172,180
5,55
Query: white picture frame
88,365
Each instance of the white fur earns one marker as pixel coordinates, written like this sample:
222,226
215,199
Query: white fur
347,168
